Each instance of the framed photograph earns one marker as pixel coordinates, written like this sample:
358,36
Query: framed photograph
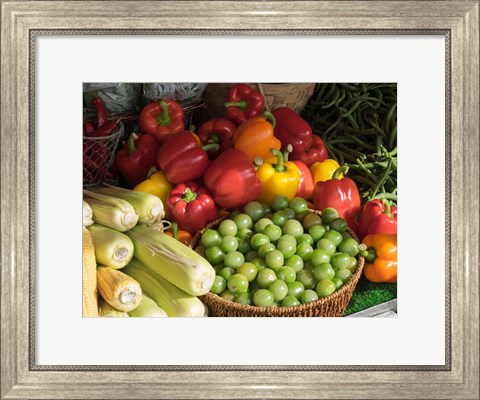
428,49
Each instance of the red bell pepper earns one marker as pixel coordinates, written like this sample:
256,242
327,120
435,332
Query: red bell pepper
136,157
191,206
305,188
340,194
217,130
317,152
292,129
377,216
232,179
243,102
182,159
162,119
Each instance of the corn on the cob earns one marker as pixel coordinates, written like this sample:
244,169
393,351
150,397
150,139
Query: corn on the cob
89,277
173,300
106,310
87,214
110,211
148,207
112,248
119,290
172,260
148,309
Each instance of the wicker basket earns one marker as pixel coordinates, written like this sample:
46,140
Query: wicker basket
293,95
330,306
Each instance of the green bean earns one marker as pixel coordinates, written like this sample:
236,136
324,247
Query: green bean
320,91
335,96
333,125
330,91
343,93
389,117
383,178
349,86
353,122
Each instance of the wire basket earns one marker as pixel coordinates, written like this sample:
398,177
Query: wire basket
98,158
292,95
330,306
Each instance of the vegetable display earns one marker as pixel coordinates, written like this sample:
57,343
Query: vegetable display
262,205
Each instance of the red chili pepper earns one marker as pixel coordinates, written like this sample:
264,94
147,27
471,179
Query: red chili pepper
377,216
162,119
105,130
94,171
305,189
191,206
232,179
217,130
292,129
182,159
340,194
101,111
135,158
88,129
317,152
243,102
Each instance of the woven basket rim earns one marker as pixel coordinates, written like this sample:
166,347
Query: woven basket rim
283,310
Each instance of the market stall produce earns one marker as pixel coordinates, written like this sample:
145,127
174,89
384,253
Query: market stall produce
270,208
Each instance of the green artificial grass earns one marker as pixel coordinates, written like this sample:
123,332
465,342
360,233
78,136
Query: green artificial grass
368,294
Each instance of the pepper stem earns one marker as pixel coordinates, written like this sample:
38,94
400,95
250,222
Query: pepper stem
131,142
243,104
286,152
189,195
257,162
175,230
280,165
342,170
163,118
386,205
211,146
151,171
270,118
214,138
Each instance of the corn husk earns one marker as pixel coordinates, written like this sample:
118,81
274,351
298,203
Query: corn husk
87,214
112,248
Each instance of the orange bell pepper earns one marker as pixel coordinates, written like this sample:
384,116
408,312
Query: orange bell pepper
255,137
381,258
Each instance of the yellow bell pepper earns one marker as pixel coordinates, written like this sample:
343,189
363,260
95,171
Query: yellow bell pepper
255,137
323,170
279,178
380,257
156,184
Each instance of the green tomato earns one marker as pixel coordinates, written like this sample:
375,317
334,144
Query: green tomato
251,255
259,263
243,221
263,298
266,209
287,238
259,239
334,236
265,277
265,248
338,282
305,238
325,288
349,246
339,225
261,224
319,256
227,228
301,216
346,235
323,271
287,248
298,205
249,270
306,278
295,289
228,295
237,283
234,259
353,265
279,218
290,301
214,254
293,227
295,262
226,273
327,245
243,298
279,202
329,214
286,274
229,243
340,261
317,232
279,289
274,232
244,245
211,238
200,250
308,295
274,259
244,233
343,274
254,210
311,220
289,213
305,251
219,285
218,268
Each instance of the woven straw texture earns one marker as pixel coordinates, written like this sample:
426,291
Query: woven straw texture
292,95
330,306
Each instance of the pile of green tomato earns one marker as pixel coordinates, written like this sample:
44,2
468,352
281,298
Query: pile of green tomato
280,254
